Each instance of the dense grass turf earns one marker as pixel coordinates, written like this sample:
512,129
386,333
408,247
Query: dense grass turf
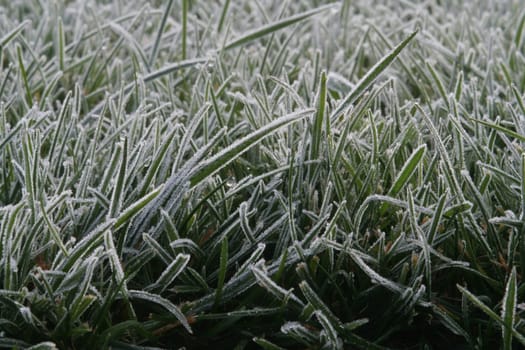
262,174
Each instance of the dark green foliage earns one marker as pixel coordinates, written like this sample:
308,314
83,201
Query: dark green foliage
262,175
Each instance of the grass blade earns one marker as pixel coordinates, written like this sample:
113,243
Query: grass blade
508,312
408,170
500,128
162,24
134,208
371,76
184,27
172,271
273,27
173,68
317,126
25,79
229,154
223,266
12,34
169,306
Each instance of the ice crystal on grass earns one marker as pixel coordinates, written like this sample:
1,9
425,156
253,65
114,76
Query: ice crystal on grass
239,174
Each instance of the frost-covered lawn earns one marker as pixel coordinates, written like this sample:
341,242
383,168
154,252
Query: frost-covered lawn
262,174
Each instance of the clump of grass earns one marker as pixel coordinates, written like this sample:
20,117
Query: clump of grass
262,175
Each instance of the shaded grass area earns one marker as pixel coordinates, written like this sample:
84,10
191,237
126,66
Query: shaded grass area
262,175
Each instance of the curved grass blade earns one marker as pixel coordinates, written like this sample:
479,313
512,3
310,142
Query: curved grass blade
46,345
83,286
273,288
450,323
168,305
172,271
318,303
332,340
300,333
135,46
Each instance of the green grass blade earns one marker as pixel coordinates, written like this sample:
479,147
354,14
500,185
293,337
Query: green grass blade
134,208
488,311
273,288
173,68
500,128
508,312
172,271
371,76
273,27
332,340
266,344
518,37
408,170
184,34
522,168
61,45
168,305
229,154
118,190
436,218
83,286
318,303
25,79
162,25
317,126
450,323
53,230
223,266
4,41
478,303
224,12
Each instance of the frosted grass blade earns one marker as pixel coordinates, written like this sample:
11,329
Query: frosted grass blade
4,41
370,77
508,312
408,170
317,125
162,25
230,153
273,288
273,27
172,271
223,267
169,306
173,68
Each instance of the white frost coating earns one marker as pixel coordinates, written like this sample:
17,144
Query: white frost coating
172,271
154,298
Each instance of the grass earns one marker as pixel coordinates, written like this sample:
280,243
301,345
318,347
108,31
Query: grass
262,175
